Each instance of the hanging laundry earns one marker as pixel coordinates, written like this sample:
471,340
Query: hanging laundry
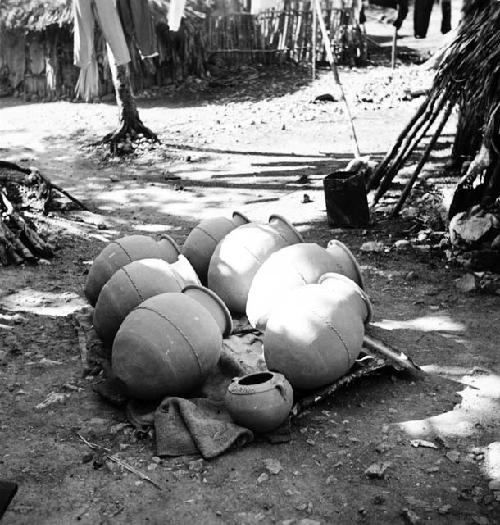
175,13
138,26
84,53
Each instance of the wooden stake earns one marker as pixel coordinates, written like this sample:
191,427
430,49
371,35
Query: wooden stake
314,39
333,66
394,48
423,160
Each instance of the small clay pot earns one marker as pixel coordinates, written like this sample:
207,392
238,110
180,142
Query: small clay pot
259,401
214,304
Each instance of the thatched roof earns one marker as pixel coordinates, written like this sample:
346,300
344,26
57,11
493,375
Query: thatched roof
37,15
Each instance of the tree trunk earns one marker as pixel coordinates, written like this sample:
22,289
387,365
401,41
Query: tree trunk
130,125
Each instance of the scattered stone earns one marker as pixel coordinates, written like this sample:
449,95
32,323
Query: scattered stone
411,276
494,484
273,466
195,465
52,399
378,499
377,470
87,458
467,283
410,517
402,244
444,509
453,455
330,480
470,229
262,478
481,520
311,442
383,447
422,443
306,199
372,246
432,470
325,97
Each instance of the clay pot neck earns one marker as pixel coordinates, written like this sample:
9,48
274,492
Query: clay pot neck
183,267
331,278
214,304
334,246
255,383
169,244
285,229
239,218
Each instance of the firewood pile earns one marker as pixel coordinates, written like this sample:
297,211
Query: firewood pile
25,196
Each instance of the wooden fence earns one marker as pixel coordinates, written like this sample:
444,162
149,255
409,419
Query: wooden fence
287,32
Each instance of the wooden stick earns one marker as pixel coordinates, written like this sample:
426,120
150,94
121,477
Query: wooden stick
333,66
119,461
423,160
380,348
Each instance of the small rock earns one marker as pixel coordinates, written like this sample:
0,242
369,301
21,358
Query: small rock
306,199
52,398
273,466
481,520
410,517
378,499
453,455
311,442
444,509
432,470
262,478
377,470
467,283
411,276
494,484
372,246
156,459
402,244
422,443
330,480
195,465
87,458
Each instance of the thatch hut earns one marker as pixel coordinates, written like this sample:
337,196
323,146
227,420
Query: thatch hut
36,50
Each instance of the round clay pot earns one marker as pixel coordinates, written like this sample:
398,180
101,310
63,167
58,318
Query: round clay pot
349,293
260,401
123,251
286,269
183,268
348,265
213,303
166,346
240,254
127,288
311,337
203,239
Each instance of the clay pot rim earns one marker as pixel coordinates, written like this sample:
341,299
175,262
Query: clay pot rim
235,387
288,224
227,316
342,246
166,237
242,216
359,290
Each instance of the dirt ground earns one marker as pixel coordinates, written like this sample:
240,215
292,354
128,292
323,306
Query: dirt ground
242,145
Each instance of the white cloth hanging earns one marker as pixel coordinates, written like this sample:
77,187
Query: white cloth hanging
84,53
175,13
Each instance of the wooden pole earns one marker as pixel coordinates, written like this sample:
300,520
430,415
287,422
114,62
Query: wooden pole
333,66
314,38
423,160
394,48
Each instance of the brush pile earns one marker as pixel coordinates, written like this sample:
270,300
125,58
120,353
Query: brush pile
467,77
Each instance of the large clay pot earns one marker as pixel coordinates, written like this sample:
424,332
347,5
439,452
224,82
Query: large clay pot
123,251
166,346
312,338
347,264
203,239
260,401
241,253
294,266
127,288
214,304
347,292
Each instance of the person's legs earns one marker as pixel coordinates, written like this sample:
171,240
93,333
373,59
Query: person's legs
421,17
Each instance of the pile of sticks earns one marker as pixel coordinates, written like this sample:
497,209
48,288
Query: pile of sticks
467,76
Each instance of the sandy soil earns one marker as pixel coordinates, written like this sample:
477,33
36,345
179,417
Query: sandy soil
242,147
